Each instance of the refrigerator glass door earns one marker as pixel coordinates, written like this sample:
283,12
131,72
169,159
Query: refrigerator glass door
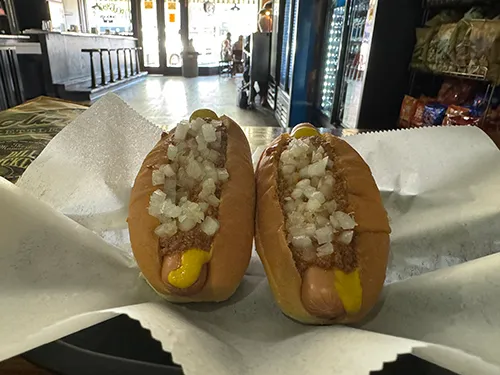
285,45
331,57
293,39
362,18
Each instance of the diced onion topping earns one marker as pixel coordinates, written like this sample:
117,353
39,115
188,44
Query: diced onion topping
158,178
222,174
190,180
324,235
324,250
302,242
313,222
344,220
167,170
346,237
172,152
166,230
181,131
210,226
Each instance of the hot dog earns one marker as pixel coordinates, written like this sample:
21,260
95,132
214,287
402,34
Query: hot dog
322,232
191,212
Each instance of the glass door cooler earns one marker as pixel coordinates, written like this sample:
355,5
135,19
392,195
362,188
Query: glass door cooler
331,57
364,69
282,110
298,60
356,60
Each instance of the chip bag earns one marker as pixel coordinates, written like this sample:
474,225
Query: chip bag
454,114
424,37
485,49
407,111
439,55
434,114
418,116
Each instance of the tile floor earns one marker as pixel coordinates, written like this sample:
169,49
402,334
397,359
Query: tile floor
166,100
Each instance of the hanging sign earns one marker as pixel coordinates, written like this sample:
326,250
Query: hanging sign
171,17
172,5
148,5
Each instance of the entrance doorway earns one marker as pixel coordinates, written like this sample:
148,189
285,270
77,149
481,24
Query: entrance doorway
160,28
165,26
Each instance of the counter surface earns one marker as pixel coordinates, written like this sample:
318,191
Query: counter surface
70,33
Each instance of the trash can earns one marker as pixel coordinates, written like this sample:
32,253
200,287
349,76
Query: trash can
190,64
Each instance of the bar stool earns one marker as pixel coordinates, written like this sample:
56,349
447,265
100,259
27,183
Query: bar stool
119,64
111,72
91,51
131,62
11,85
137,62
125,68
103,73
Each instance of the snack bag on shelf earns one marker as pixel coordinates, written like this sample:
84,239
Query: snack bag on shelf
485,49
460,55
478,106
444,17
455,91
439,55
475,13
456,115
407,111
424,37
434,114
418,116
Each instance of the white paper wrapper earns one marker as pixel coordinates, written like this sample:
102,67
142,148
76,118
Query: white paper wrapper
65,260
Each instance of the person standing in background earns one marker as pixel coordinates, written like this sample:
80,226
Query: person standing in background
238,56
227,51
265,26
266,18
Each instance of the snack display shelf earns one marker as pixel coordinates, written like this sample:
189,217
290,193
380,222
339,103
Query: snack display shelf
451,3
474,77
490,89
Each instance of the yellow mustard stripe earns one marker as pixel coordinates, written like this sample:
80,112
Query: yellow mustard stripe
349,289
189,271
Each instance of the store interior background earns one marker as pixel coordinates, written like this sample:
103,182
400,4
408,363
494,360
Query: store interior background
346,64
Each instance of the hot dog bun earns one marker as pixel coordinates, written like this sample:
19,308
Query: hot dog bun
232,244
371,242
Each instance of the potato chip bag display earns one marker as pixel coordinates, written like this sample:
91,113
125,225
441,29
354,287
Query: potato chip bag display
455,91
455,115
461,40
407,111
424,37
434,114
485,49
417,119
444,17
439,55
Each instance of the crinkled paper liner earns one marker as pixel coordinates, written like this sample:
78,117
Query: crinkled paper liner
86,174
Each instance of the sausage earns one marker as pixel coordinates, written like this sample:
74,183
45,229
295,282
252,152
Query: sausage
173,262
319,296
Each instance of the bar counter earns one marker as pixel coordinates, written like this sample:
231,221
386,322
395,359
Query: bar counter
65,65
